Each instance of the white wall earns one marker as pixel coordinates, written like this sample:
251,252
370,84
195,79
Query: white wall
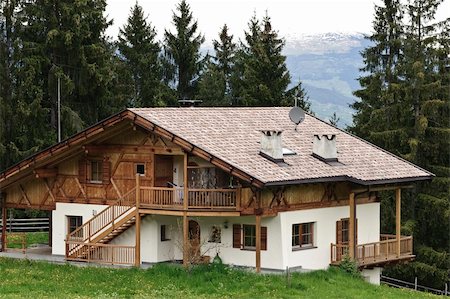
279,252
368,216
60,225
372,275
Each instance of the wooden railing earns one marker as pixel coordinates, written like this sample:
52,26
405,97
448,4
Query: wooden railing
162,197
99,223
212,198
103,253
375,252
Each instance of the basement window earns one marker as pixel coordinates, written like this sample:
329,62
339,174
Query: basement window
164,236
302,235
73,222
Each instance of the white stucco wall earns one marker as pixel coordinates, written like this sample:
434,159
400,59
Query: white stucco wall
60,225
372,275
278,255
368,216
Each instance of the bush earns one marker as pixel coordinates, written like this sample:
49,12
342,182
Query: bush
349,266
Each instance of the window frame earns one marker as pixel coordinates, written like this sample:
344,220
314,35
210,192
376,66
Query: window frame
163,233
99,179
69,224
136,165
298,232
251,237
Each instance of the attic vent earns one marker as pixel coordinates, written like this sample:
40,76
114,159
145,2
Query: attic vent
271,146
324,147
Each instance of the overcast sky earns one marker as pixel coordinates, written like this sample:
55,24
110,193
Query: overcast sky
289,17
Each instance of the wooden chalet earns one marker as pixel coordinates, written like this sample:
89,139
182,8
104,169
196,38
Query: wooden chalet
245,183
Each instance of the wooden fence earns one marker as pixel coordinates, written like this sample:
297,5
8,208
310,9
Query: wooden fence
26,225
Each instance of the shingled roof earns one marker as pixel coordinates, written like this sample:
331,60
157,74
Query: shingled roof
234,134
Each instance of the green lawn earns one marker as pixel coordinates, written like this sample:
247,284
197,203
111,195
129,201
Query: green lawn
31,238
24,278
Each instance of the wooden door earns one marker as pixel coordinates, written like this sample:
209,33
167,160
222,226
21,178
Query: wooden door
194,240
343,235
163,170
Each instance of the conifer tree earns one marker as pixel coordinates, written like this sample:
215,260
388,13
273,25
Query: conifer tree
261,77
140,52
404,108
214,85
182,52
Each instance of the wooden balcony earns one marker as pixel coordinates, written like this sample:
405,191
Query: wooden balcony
376,253
198,199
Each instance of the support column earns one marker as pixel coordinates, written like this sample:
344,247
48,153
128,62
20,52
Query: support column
352,227
258,243
137,256
185,182
4,215
185,240
398,210
50,229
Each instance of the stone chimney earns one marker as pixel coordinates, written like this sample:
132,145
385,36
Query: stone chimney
271,145
324,147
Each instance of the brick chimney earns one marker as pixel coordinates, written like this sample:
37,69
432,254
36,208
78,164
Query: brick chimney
271,145
324,147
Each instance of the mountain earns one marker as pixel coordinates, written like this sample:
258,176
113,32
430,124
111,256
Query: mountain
328,65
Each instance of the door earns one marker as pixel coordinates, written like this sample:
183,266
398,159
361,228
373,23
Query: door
163,170
194,241
342,237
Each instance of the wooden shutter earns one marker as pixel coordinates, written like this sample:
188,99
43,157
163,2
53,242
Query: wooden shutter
356,231
339,232
263,238
82,170
106,171
236,236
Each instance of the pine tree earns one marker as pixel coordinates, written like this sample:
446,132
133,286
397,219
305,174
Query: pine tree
182,52
65,39
215,85
405,108
140,52
261,77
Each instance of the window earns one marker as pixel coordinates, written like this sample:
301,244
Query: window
163,233
96,171
303,235
140,169
244,237
249,236
215,235
73,222
345,230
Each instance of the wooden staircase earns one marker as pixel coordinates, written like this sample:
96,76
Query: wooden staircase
90,242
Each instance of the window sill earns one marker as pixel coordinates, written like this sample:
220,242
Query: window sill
95,182
303,248
165,240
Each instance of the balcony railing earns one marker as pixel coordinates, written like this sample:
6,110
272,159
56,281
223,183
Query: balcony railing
173,198
375,252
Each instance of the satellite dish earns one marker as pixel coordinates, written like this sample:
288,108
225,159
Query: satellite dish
297,115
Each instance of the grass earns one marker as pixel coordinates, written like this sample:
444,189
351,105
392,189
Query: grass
14,241
24,278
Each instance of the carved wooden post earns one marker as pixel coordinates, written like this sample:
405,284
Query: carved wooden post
352,228
185,239
258,243
398,219
137,252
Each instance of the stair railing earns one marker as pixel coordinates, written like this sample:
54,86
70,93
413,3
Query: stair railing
106,218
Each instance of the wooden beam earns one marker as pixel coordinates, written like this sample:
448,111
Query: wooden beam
50,190
352,226
398,210
113,183
185,240
185,177
81,188
4,213
137,258
258,243
24,194
45,172
381,188
131,149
